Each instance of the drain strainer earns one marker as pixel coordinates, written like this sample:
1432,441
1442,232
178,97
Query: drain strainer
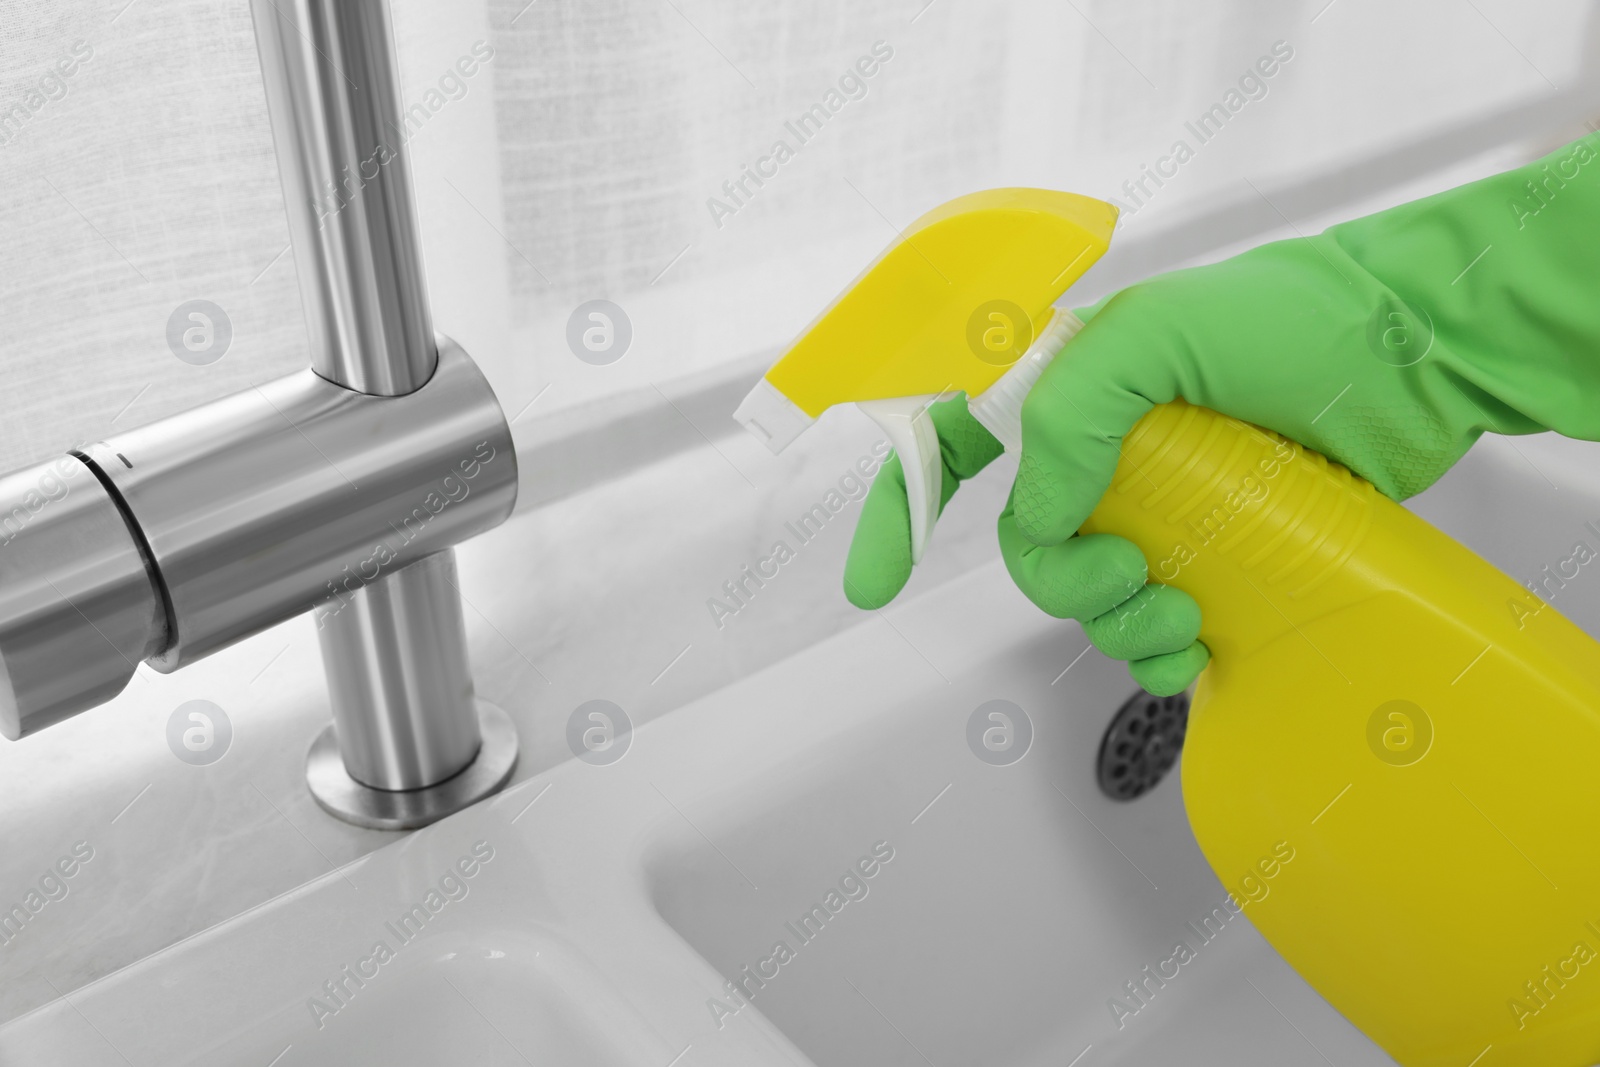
1141,744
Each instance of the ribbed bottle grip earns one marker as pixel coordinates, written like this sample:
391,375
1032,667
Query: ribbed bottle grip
1192,482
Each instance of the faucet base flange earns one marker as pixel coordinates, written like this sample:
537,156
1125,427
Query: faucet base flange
380,809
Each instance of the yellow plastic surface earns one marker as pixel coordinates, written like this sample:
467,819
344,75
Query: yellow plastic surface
1421,731
923,319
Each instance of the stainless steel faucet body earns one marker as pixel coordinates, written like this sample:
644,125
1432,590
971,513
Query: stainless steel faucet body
339,489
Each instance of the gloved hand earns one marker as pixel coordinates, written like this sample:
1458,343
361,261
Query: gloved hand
1389,344
1098,579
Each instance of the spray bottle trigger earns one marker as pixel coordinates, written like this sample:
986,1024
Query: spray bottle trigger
910,428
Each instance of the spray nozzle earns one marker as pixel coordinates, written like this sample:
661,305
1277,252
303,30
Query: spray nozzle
961,303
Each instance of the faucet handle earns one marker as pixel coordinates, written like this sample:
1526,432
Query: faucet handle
79,606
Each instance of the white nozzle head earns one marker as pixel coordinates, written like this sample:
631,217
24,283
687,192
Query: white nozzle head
771,416
999,407
910,428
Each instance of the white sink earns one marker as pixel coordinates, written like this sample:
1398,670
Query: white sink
622,899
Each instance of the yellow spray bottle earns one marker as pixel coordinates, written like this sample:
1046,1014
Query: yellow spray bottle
1430,802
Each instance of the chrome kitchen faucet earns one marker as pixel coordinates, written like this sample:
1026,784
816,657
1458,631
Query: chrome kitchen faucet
340,489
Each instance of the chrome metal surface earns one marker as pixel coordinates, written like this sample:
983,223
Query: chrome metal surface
398,678
260,505
333,92
78,607
341,488
395,654
380,809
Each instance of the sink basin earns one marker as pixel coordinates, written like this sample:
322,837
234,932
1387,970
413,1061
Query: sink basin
1019,903
944,895
1007,905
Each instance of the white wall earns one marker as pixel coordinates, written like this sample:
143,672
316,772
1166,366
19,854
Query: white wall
578,163
619,119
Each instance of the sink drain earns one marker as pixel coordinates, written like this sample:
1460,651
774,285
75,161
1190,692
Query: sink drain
1141,744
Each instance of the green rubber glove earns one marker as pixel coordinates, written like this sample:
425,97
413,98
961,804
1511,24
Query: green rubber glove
1389,344
1097,579
879,564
